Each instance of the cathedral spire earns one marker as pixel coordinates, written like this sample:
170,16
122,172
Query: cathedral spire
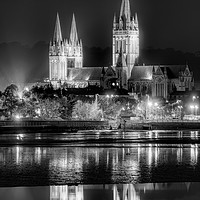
57,32
73,34
125,10
136,18
114,22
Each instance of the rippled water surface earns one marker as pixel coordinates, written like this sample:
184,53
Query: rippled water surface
95,157
103,137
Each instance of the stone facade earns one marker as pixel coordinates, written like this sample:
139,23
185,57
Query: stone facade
64,54
66,63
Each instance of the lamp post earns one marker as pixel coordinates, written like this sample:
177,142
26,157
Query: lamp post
195,110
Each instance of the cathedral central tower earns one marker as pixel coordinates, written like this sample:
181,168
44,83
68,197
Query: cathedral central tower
126,37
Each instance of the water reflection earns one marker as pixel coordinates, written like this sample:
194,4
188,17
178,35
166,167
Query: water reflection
107,137
137,163
156,191
163,191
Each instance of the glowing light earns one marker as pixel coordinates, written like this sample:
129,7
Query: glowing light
87,78
20,136
20,94
38,111
149,76
26,89
18,116
192,107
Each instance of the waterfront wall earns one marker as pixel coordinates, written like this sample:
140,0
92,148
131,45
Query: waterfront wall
160,125
44,125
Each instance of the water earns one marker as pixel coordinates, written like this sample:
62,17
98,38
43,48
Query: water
157,191
100,159
102,137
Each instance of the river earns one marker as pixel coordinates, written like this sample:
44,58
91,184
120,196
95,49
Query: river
160,160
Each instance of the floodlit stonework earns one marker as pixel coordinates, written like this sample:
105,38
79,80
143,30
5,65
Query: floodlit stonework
66,63
64,54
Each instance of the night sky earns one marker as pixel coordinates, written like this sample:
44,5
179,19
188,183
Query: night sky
163,24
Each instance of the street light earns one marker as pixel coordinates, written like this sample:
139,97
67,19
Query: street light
196,108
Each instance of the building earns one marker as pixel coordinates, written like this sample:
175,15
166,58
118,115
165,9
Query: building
64,54
66,63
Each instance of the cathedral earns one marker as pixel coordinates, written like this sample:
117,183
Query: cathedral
66,62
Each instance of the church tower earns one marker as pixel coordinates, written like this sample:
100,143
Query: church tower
126,37
74,48
57,58
122,71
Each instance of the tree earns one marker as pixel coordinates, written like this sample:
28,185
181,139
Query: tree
86,111
11,100
49,109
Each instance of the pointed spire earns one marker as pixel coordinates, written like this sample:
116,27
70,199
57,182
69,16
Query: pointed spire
73,33
125,9
57,32
136,18
81,43
114,21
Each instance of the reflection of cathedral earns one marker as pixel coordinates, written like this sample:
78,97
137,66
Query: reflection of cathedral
116,192
66,62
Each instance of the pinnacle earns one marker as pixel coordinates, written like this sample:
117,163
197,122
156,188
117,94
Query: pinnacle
125,10
57,32
73,33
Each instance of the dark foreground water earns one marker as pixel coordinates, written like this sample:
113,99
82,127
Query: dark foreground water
123,161
143,165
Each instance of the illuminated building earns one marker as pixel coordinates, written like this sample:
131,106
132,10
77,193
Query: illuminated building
66,62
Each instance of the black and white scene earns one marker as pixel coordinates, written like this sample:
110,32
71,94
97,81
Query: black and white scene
99,100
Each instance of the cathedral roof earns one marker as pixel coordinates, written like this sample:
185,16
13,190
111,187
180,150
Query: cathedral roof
141,73
84,74
173,70
145,72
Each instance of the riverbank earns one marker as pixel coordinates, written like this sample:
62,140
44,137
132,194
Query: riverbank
146,125
48,126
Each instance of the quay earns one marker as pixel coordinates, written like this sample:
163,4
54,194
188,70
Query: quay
173,125
50,126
